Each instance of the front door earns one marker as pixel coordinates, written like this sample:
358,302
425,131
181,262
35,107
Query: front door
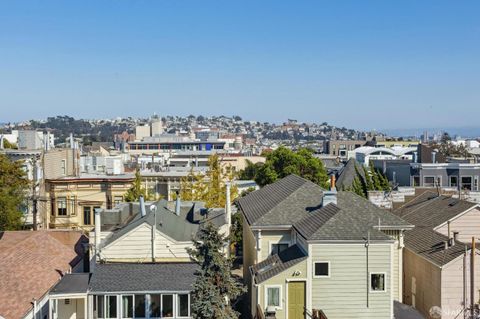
296,300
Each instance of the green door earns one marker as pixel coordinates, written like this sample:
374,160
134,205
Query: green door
296,300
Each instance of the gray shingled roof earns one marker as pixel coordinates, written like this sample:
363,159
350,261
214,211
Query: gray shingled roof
183,227
130,277
432,210
430,244
278,203
426,212
275,264
348,174
71,284
297,202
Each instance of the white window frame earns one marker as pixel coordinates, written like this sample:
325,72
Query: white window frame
177,310
370,282
132,306
280,295
173,304
321,262
471,181
450,181
272,242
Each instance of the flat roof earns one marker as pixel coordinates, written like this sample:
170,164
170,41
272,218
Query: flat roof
75,283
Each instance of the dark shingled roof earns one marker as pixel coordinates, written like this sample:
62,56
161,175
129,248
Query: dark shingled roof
183,227
278,263
129,277
430,244
71,284
297,202
432,210
428,211
277,203
348,174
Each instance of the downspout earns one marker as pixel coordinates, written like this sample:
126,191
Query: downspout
367,244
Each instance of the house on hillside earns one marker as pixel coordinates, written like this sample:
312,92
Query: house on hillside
307,249
31,263
437,269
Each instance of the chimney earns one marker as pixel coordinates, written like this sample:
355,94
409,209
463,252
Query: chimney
177,204
142,207
97,221
228,206
330,196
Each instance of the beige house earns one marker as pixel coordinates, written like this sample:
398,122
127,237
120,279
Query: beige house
307,249
73,199
437,269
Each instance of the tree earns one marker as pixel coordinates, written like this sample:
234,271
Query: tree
283,162
209,187
7,144
214,286
13,193
369,179
134,193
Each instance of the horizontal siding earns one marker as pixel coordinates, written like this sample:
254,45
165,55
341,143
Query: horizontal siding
453,282
138,245
344,294
468,226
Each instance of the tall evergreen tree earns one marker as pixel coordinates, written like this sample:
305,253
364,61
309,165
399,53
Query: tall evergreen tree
13,193
134,193
214,287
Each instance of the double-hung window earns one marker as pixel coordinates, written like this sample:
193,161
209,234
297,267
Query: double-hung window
62,206
273,296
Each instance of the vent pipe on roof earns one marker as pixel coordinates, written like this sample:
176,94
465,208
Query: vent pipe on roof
434,154
177,204
142,207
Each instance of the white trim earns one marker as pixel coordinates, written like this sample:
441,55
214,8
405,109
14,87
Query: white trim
280,307
321,262
309,297
434,180
370,282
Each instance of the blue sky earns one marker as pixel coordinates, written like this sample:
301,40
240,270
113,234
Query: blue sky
361,64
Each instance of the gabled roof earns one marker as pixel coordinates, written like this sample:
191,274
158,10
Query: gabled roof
31,262
183,227
278,263
348,174
130,277
431,210
428,211
281,203
294,201
352,218
430,244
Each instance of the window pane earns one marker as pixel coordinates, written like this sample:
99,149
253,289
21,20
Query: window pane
467,183
183,305
321,269
453,181
167,305
127,306
155,306
273,297
378,282
277,248
100,308
87,215
111,307
139,306
429,181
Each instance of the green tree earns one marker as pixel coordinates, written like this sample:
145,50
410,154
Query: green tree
13,193
283,162
7,144
214,286
369,179
134,193
209,187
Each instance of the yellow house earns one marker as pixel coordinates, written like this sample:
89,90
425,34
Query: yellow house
73,199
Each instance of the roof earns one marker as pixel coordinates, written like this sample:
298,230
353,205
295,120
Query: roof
430,244
130,277
95,177
432,210
428,211
294,201
182,228
277,263
31,262
350,219
280,203
348,174
71,284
